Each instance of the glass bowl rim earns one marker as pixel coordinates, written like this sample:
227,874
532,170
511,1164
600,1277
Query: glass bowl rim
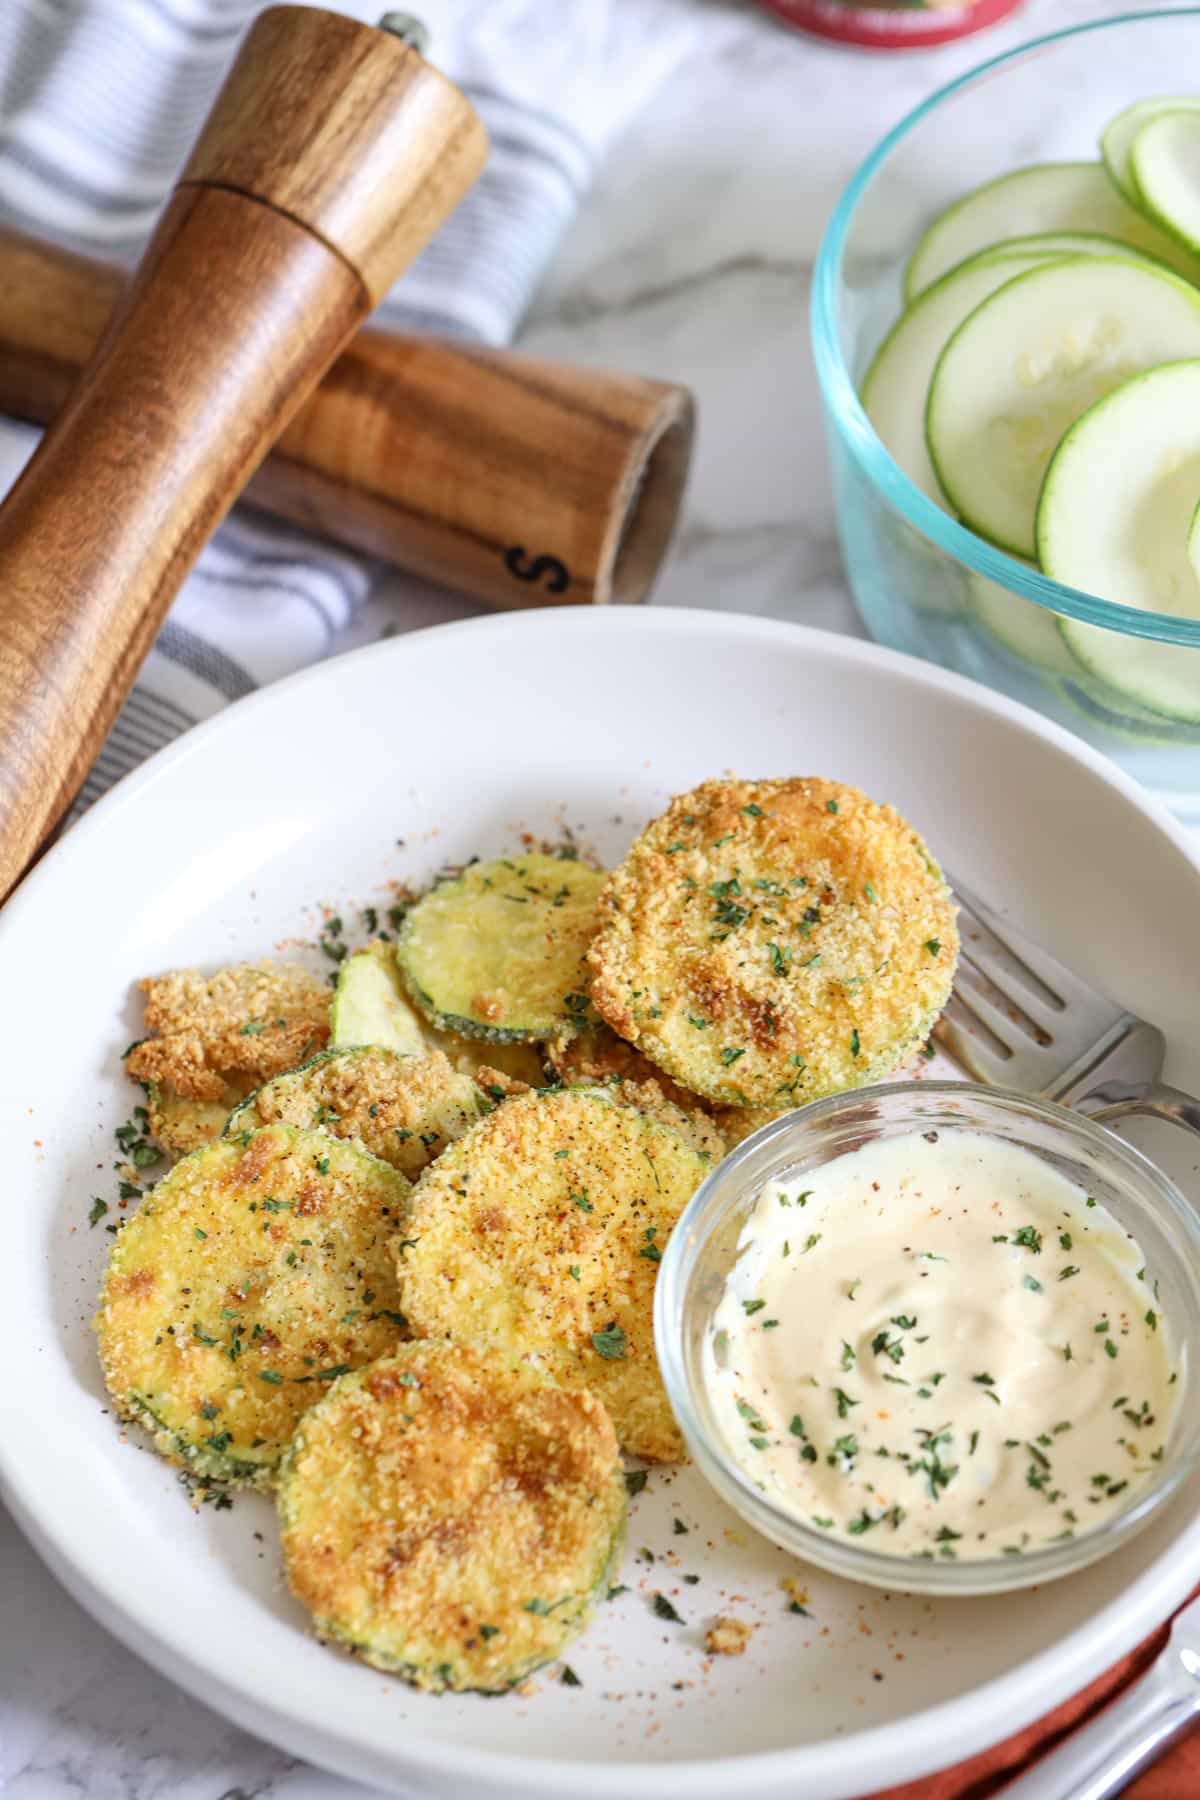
855,430
852,1560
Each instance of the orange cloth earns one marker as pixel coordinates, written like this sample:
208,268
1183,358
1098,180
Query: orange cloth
1175,1777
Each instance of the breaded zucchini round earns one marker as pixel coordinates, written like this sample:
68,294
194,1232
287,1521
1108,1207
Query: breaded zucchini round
404,1109
498,953
596,1053
253,1019
452,1517
180,1125
770,942
539,1233
254,1273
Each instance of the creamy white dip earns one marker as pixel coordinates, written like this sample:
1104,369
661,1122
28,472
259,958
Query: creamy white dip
938,1345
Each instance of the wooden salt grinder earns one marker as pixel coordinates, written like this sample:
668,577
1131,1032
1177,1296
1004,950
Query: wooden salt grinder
331,156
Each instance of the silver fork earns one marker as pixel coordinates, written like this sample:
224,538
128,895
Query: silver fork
1019,1018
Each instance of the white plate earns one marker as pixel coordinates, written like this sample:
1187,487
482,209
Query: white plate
452,741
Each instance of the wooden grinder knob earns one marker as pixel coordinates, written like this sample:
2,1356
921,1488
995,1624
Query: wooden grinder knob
330,157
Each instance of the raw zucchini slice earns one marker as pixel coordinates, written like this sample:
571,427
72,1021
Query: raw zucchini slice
770,942
498,952
896,385
1047,244
1165,159
369,1006
539,1234
1026,630
1115,518
253,1274
1117,138
403,1109
1028,362
453,1518
1060,197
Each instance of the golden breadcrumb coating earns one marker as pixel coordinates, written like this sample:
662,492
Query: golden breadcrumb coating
727,1637
452,1516
249,1277
771,942
181,1125
521,1063
404,1109
540,1233
253,1018
597,1054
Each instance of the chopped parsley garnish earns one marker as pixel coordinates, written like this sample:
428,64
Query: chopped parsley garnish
610,1344
730,1055
844,1402
97,1211
831,806
664,1610
1033,1284
635,1480
855,1043
581,1200
811,1242
568,1677
934,946
749,1307
1029,1238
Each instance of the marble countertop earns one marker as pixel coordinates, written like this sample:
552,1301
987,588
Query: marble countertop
690,260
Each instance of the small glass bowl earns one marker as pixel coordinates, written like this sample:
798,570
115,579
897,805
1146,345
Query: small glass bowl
923,582
703,1248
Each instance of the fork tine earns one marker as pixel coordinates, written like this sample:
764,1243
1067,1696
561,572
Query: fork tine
976,974
960,1038
1059,981
997,1022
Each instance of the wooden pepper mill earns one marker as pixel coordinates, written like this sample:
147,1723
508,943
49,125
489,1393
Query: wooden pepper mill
520,481
331,155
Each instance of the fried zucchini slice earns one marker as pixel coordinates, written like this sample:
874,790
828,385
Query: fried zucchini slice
369,1006
597,1054
770,942
498,953
539,1233
452,1517
253,1019
254,1273
404,1109
472,1056
695,1127
738,1122
181,1125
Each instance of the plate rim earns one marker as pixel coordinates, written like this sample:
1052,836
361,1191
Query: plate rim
1044,1679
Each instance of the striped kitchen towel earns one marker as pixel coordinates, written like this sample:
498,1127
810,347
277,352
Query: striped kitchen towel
100,101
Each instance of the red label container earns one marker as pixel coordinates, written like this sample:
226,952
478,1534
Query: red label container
891,26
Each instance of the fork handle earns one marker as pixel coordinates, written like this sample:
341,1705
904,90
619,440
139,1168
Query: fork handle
1153,1100
1103,1756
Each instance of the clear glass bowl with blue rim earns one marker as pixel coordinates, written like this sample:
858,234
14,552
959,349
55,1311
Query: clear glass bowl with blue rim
923,582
